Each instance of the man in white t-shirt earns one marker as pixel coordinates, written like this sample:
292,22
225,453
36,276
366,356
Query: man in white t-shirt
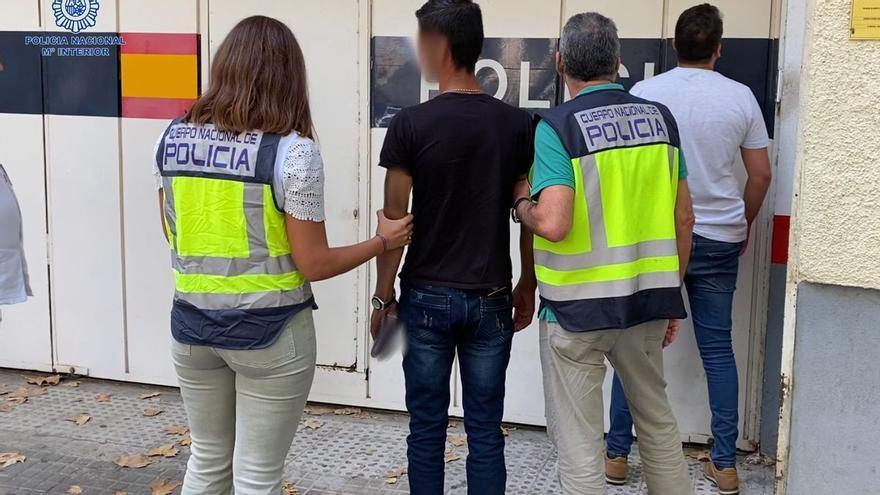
720,123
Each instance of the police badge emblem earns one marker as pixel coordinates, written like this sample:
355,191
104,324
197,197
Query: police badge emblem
75,15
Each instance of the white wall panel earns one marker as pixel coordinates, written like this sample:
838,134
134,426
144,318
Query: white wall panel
501,18
742,18
19,15
331,47
634,18
25,328
158,16
148,283
86,243
521,18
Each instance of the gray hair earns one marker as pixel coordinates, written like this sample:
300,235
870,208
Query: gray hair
590,46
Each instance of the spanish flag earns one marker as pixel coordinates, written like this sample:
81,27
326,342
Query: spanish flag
159,74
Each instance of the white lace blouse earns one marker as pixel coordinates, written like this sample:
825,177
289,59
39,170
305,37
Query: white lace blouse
299,175
302,177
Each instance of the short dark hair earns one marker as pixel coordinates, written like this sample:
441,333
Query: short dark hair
461,22
698,33
590,46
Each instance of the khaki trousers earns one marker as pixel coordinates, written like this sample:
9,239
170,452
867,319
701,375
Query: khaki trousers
574,371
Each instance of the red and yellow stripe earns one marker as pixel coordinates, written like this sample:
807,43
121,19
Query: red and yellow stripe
159,74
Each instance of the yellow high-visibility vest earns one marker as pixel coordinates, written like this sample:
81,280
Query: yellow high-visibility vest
618,266
227,233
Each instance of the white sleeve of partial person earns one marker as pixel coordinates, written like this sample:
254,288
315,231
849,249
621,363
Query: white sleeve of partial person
637,89
756,133
157,176
303,177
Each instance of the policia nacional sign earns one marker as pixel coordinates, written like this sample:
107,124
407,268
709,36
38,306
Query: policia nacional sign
522,71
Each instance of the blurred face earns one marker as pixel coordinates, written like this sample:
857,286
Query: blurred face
433,52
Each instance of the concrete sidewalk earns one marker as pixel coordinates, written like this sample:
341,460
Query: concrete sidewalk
338,451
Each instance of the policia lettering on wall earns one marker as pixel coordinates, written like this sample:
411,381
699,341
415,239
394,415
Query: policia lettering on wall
194,149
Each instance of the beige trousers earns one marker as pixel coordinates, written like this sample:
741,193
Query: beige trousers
574,371
244,408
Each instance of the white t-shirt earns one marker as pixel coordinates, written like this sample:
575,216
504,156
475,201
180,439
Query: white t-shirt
299,176
716,117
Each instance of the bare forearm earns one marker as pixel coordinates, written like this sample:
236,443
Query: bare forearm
543,221
527,256
398,185
162,214
759,170
685,238
386,270
531,218
754,195
336,261
684,226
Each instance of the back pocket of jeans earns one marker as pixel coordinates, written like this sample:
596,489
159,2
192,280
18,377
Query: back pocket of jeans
496,318
426,316
428,300
180,348
281,352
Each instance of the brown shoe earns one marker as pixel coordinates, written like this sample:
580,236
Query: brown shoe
615,470
726,480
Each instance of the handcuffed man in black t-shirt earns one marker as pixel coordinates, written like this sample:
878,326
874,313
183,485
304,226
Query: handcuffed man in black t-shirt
459,155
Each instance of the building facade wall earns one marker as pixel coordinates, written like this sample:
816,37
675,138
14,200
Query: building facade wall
838,220
828,422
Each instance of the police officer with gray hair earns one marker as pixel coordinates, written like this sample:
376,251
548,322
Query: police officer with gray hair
611,213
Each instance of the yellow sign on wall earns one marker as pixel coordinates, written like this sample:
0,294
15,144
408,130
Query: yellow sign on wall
865,20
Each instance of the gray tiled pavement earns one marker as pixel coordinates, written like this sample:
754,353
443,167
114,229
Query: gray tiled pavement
347,455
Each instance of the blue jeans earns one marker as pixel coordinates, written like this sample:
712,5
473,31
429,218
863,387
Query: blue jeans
440,321
711,282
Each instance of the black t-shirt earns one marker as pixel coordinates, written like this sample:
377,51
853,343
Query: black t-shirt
464,153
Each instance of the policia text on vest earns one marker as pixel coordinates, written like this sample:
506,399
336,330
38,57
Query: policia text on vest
211,148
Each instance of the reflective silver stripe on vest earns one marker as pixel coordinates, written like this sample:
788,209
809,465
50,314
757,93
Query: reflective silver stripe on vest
616,288
593,193
256,225
229,267
170,213
606,256
257,300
